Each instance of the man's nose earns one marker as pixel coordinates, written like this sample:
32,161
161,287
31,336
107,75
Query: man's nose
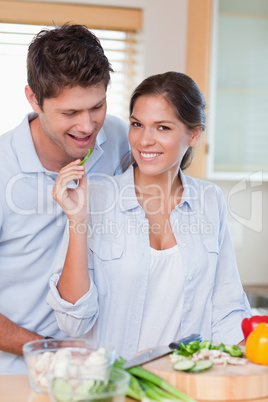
84,123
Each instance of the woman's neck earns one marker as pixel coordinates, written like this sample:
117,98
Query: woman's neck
167,184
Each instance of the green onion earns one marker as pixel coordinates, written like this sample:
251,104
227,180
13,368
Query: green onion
88,155
143,384
156,393
135,390
140,372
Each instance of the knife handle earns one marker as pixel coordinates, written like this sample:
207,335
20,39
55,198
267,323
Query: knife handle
190,338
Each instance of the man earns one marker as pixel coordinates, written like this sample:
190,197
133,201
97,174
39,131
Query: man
68,75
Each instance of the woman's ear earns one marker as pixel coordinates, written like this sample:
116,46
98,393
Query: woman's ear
195,136
30,95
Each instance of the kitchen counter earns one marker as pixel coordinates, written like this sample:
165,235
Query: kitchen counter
16,388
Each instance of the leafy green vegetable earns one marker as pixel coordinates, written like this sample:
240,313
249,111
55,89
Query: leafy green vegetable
196,346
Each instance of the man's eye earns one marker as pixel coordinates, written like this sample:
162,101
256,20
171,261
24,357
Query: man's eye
69,113
98,106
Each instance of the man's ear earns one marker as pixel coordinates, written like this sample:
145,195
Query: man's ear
195,136
30,95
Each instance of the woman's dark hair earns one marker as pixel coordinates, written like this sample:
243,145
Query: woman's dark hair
65,56
183,94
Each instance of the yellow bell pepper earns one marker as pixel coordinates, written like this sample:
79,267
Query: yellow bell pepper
257,345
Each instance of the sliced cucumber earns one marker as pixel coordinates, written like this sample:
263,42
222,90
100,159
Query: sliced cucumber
184,365
86,387
61,390
201,365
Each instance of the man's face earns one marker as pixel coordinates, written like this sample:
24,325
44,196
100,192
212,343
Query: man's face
69,123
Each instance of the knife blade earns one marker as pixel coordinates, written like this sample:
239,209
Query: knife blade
159,351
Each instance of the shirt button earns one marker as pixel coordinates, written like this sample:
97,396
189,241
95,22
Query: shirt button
47,174
189,277
181,205
183,245
188,308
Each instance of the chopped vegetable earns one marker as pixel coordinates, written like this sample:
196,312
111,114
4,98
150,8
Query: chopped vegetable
189,349
201,365
61,389
249,324
184,365
144,384
257,345
205,351
205,345
88,155
233,350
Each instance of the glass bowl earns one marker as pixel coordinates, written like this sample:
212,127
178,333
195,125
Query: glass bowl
83,388
63,358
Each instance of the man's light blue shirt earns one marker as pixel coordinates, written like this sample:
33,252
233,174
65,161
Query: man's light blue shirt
119,261
32,226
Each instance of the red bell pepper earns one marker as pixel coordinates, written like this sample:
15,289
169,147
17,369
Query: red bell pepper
249,324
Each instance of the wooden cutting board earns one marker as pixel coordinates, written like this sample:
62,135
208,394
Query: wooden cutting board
248,383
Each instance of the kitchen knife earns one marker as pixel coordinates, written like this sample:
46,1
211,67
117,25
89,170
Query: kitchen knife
159,351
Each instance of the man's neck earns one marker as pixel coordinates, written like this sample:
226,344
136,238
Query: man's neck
50,156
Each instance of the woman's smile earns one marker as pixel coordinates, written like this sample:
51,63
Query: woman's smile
149,155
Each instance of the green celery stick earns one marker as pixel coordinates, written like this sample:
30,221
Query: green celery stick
88,155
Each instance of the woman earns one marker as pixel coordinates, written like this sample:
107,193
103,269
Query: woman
153,260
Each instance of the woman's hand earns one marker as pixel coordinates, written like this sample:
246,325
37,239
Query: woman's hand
74,201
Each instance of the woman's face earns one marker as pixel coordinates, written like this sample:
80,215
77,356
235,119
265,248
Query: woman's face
158,139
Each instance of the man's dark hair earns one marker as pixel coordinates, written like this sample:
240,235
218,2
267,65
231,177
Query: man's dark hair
65,57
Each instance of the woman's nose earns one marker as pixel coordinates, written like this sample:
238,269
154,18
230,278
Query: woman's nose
146,137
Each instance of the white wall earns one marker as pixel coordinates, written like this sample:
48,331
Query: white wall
164,47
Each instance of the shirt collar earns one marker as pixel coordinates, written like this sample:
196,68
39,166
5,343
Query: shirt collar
129,198
189,191
23,142
101,137
127,190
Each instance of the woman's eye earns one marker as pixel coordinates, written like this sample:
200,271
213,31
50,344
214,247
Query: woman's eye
135,124
162,128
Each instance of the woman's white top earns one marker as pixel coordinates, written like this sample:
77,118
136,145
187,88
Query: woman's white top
164,299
